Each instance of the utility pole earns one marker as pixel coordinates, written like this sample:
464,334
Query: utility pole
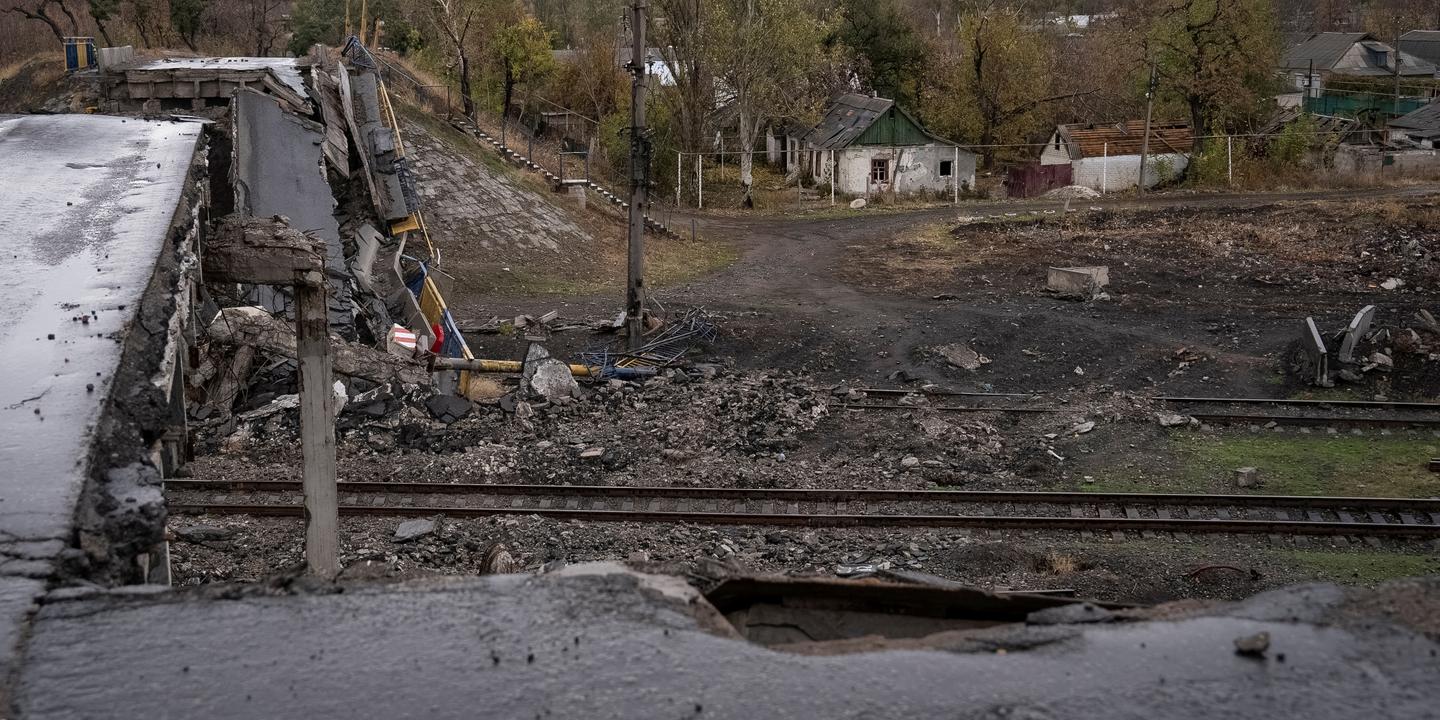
1396,109
317,426
1145,141
639,179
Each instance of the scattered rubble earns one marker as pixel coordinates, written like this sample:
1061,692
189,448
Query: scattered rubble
414,529
962,356
1072,192
1081,283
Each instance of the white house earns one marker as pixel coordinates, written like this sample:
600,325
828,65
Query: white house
1106,157
869,146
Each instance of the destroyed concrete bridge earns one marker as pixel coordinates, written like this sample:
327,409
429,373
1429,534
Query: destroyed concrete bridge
159,264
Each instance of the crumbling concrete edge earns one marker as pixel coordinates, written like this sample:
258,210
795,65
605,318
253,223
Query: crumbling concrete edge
120,518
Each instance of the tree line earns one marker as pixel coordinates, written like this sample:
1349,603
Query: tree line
987,72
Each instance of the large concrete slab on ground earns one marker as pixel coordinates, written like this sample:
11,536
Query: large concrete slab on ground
86,202
603,646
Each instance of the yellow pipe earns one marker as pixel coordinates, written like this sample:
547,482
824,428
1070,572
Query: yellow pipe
515,366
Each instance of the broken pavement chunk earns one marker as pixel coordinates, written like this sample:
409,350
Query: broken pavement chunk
1356,330
1316,352
1247,477
1172,419
960,355
448,408
1078,282
414,529
1253,645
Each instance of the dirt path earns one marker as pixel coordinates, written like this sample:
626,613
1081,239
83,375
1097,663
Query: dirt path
786,303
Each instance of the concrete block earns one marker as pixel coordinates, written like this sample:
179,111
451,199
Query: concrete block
1078,281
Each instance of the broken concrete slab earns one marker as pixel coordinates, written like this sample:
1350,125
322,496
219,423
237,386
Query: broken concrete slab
279,169
546,376
1354,332
448,408
1247,477
962,356
260,251
563,642
1083,282
414,529
1315,351
96,209
552,379
254,326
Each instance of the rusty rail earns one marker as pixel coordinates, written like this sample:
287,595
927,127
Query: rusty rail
1413,513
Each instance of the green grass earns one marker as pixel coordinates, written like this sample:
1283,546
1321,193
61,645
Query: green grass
667,263
1359,568
1289,465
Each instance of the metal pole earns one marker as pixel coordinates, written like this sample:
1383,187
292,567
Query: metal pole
699,182
955,175
639,179
1396,109
1104,168
678,171
831,162
1145,141
1230,159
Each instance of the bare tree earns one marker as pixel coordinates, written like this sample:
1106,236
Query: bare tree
680,34
41,10
263,17
454,19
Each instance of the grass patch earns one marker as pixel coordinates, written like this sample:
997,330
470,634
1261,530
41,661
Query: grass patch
667,264
1291,465
1362,568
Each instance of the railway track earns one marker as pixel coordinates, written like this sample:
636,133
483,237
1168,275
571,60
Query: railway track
1353,412
1078,511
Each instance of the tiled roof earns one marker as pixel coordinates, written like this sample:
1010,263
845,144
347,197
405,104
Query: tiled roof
1126,138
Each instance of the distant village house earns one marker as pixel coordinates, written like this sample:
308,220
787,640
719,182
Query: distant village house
870,146
1106,157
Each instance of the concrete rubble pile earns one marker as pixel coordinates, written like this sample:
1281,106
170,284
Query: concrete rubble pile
1400,355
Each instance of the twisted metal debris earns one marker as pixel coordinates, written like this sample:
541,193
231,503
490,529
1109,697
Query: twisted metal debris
667,347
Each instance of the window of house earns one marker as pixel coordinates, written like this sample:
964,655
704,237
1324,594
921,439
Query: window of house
879,170
947,168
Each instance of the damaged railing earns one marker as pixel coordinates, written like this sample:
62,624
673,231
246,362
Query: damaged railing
440,327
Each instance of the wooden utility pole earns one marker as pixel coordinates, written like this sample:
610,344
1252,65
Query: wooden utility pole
1145,141
1395,110
317,426
639,179
269,252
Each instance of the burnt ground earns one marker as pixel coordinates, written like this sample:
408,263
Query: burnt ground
1206,297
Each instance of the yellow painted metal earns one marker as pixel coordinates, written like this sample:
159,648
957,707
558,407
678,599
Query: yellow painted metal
408,224
515,366
432,303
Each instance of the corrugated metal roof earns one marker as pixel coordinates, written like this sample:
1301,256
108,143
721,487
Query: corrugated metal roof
1126,138
1426,118
848,116
1325,49
1423,44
